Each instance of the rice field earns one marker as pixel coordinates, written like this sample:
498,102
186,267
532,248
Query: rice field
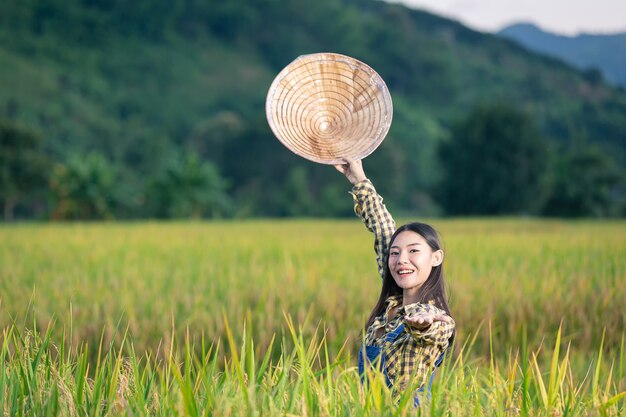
264,318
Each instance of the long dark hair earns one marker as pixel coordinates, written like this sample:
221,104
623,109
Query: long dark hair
432,289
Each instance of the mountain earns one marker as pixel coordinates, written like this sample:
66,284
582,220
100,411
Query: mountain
141,81
606,53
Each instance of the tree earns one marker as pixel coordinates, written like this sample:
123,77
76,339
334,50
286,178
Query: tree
211,136
295,194
585,183
23,166
494,163
84,188
189,187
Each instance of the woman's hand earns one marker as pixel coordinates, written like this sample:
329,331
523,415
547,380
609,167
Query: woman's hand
423,321
353,171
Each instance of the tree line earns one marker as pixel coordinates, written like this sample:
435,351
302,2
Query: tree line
161,106
495,162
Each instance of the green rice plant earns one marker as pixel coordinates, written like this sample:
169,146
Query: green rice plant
36,380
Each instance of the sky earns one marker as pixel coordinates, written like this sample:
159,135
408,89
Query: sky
566,17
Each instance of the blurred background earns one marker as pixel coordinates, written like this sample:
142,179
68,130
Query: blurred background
112,109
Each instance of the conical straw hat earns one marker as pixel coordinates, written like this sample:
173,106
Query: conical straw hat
329,108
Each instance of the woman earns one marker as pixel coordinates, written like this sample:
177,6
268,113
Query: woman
410,328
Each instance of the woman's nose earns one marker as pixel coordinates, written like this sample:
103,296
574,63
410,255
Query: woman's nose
403,258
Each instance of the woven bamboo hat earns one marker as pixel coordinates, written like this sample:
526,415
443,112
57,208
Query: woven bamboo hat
329,108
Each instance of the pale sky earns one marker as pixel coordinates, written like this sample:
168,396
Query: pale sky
567,17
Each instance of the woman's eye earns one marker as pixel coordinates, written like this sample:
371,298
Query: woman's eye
394,253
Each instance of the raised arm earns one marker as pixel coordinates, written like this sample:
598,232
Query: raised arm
368,205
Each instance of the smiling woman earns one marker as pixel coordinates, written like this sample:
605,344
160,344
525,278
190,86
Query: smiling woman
411,261
410,328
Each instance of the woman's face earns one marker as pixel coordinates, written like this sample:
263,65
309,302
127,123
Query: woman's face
411,259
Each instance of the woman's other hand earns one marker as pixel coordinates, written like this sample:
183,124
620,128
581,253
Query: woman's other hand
423,321
353,171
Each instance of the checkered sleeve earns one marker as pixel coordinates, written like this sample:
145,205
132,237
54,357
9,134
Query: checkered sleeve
438,334
368,205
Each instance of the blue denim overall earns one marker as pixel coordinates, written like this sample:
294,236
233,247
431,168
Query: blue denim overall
376,357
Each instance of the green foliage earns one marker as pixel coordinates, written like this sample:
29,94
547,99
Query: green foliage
189,187
23,167
138,81
297,198
494,163
586,183
84,188
210,138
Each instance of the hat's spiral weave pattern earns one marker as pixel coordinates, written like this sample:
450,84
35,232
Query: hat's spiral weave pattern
329,108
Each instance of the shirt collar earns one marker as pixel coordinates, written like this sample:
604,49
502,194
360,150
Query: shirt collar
392,302
395,300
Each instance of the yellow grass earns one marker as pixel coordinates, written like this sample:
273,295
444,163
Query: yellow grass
263,318
161,279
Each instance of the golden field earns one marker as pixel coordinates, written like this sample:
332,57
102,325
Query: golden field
146,293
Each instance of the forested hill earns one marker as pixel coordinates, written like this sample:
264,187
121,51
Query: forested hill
606,52
149,86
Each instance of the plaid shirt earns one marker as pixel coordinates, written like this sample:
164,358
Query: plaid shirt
414,352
